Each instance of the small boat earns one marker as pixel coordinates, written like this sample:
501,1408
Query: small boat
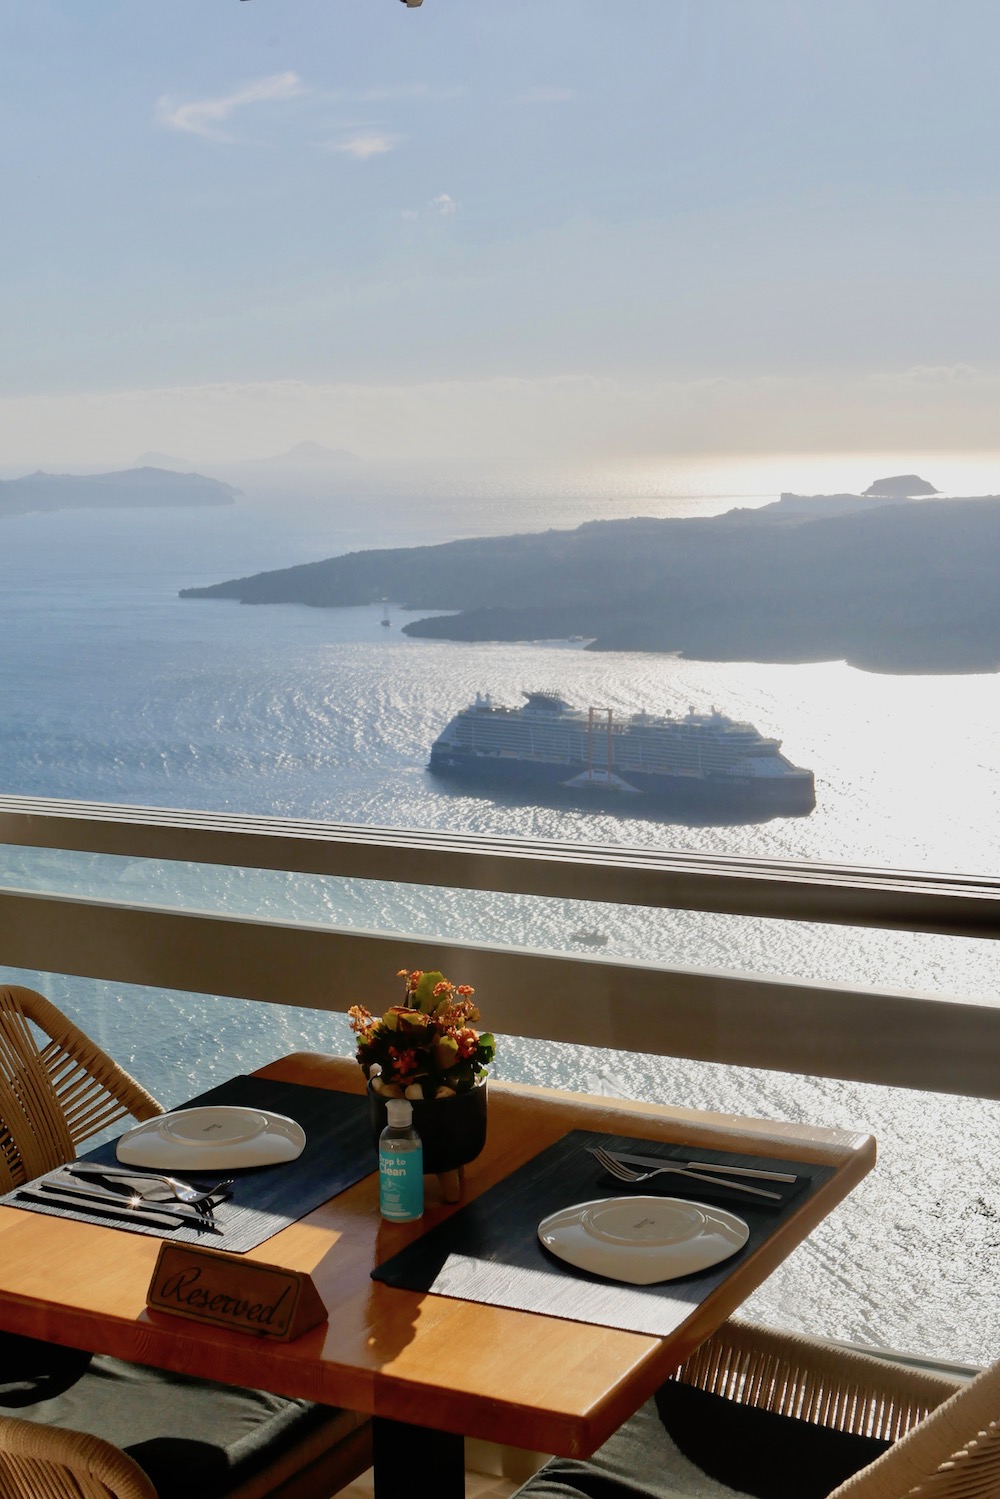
589,939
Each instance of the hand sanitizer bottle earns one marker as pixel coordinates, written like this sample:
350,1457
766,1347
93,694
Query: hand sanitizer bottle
400,1165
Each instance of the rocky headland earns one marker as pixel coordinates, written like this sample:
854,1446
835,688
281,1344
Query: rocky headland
888,584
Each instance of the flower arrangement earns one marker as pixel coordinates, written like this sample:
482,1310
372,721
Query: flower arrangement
425,1047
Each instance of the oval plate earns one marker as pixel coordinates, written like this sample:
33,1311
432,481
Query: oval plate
643,1240
212,1139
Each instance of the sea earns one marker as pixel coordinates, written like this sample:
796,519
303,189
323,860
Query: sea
112,688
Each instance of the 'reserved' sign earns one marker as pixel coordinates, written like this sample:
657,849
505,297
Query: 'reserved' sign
228,1290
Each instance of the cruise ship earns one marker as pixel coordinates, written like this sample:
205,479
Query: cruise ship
703,761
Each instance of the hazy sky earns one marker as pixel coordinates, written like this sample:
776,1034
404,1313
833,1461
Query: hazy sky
570,228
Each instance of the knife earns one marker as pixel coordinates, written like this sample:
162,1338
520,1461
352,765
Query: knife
662,1160
154,1212
106,1210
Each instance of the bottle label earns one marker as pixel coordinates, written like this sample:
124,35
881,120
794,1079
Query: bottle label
401,1184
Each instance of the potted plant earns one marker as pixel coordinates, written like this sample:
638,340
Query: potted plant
428,1050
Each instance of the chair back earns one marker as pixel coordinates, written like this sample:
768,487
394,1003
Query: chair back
57,1088
39,1460
953,1453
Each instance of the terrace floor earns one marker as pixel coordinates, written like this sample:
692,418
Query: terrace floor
477,1486
491,1472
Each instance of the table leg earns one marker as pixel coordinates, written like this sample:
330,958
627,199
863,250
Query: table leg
408,1458
451,1184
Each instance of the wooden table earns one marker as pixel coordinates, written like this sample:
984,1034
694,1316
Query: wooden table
447,1366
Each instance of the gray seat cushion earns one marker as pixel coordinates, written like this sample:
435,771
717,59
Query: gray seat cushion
687,1444
189,1435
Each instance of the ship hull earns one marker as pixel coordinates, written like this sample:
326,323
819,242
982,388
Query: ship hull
791,795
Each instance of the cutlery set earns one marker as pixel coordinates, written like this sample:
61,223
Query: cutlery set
635,1169
159,1201
155,1188
136,1196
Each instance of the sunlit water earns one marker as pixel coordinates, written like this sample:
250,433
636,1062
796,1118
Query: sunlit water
112,688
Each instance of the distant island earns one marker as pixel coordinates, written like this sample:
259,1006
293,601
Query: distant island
306,460
888,585
165,460
131,488
901,487
308,454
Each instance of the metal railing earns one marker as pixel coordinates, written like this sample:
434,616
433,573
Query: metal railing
890,1037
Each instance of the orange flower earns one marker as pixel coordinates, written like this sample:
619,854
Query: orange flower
427,1038
467,1041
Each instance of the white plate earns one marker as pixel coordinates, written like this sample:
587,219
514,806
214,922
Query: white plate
643,1240
211,1139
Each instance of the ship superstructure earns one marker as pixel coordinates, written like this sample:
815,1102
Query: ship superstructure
702,759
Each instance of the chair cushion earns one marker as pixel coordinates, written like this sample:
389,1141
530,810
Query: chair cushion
688,1444
189,1435
769,1456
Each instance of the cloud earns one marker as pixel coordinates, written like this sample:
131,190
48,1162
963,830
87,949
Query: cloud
204,116
570,417
361,147
409,91
941,374
441,207
546,95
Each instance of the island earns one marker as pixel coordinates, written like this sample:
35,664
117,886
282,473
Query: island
130,488
901,487
890,585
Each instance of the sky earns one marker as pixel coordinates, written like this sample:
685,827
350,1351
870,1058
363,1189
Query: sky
563,229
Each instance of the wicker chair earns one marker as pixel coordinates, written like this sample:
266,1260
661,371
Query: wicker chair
47,1462
197,1437
55,1096
944,1433
775,1415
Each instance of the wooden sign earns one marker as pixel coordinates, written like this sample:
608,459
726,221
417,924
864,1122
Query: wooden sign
227,1290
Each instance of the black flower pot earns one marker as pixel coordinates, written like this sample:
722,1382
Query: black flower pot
452,1130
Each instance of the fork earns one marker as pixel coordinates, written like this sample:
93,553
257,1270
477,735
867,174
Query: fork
627,1174
180,1191
205,1201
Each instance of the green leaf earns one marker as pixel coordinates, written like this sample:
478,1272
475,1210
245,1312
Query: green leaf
423,995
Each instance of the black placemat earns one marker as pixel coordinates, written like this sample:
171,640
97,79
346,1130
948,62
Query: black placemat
489,1250
338,1152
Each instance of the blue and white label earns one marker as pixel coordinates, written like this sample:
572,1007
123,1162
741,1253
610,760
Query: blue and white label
401,1183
